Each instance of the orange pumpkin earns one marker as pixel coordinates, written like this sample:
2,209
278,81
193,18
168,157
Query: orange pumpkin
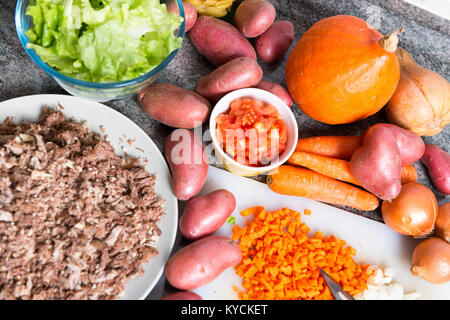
343,70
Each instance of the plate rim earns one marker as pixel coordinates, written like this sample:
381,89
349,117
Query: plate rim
54,98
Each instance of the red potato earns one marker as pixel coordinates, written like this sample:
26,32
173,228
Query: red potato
174,106
219,41
410,145
239,73
182,295
205,215
254,17
376,165
187,160
277,90
201,262
190,13
273,44
437,162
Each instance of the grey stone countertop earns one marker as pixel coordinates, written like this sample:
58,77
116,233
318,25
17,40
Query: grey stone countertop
427,38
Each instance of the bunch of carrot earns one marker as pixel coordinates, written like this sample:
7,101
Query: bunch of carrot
320,170
280,261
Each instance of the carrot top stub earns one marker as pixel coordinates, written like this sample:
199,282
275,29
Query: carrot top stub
280,261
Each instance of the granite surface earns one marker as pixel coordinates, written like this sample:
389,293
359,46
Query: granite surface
427,38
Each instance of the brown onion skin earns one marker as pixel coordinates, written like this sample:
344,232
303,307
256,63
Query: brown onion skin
421,101
442,226
431,261
413,212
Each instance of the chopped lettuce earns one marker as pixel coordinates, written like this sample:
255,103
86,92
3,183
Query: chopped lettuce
102,40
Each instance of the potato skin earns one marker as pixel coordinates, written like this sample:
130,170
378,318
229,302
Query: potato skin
410,145
254,17
273,44
239,73
190,13
377,164
174,106
219,41
277,90
437,162
182,295
201,262
206,214
187,160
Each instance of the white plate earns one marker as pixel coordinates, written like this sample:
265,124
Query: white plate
119,129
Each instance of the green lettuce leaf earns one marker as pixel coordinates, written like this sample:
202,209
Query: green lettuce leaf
102,40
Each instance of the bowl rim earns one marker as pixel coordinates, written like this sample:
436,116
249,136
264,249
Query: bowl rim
24,40
263,95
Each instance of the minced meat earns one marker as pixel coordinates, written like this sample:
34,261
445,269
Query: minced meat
76,220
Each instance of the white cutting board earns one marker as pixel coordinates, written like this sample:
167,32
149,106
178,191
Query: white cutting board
374,242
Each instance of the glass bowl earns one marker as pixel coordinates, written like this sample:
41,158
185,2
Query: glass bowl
91,90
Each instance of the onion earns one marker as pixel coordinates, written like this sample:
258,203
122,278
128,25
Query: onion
413,212
443,222
431,260
380,286
421,101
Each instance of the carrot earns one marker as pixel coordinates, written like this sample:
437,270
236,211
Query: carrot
339,169
409,174
330,167
341,147
302,182
280,261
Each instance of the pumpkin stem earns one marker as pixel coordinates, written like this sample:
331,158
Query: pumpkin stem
390,41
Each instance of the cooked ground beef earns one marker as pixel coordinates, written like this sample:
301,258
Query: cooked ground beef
76,220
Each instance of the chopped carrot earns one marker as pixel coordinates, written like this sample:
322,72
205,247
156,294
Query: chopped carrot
307,212
409,174
284,268
340,147
302,182
249,212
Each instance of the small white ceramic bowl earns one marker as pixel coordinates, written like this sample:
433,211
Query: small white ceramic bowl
288,118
